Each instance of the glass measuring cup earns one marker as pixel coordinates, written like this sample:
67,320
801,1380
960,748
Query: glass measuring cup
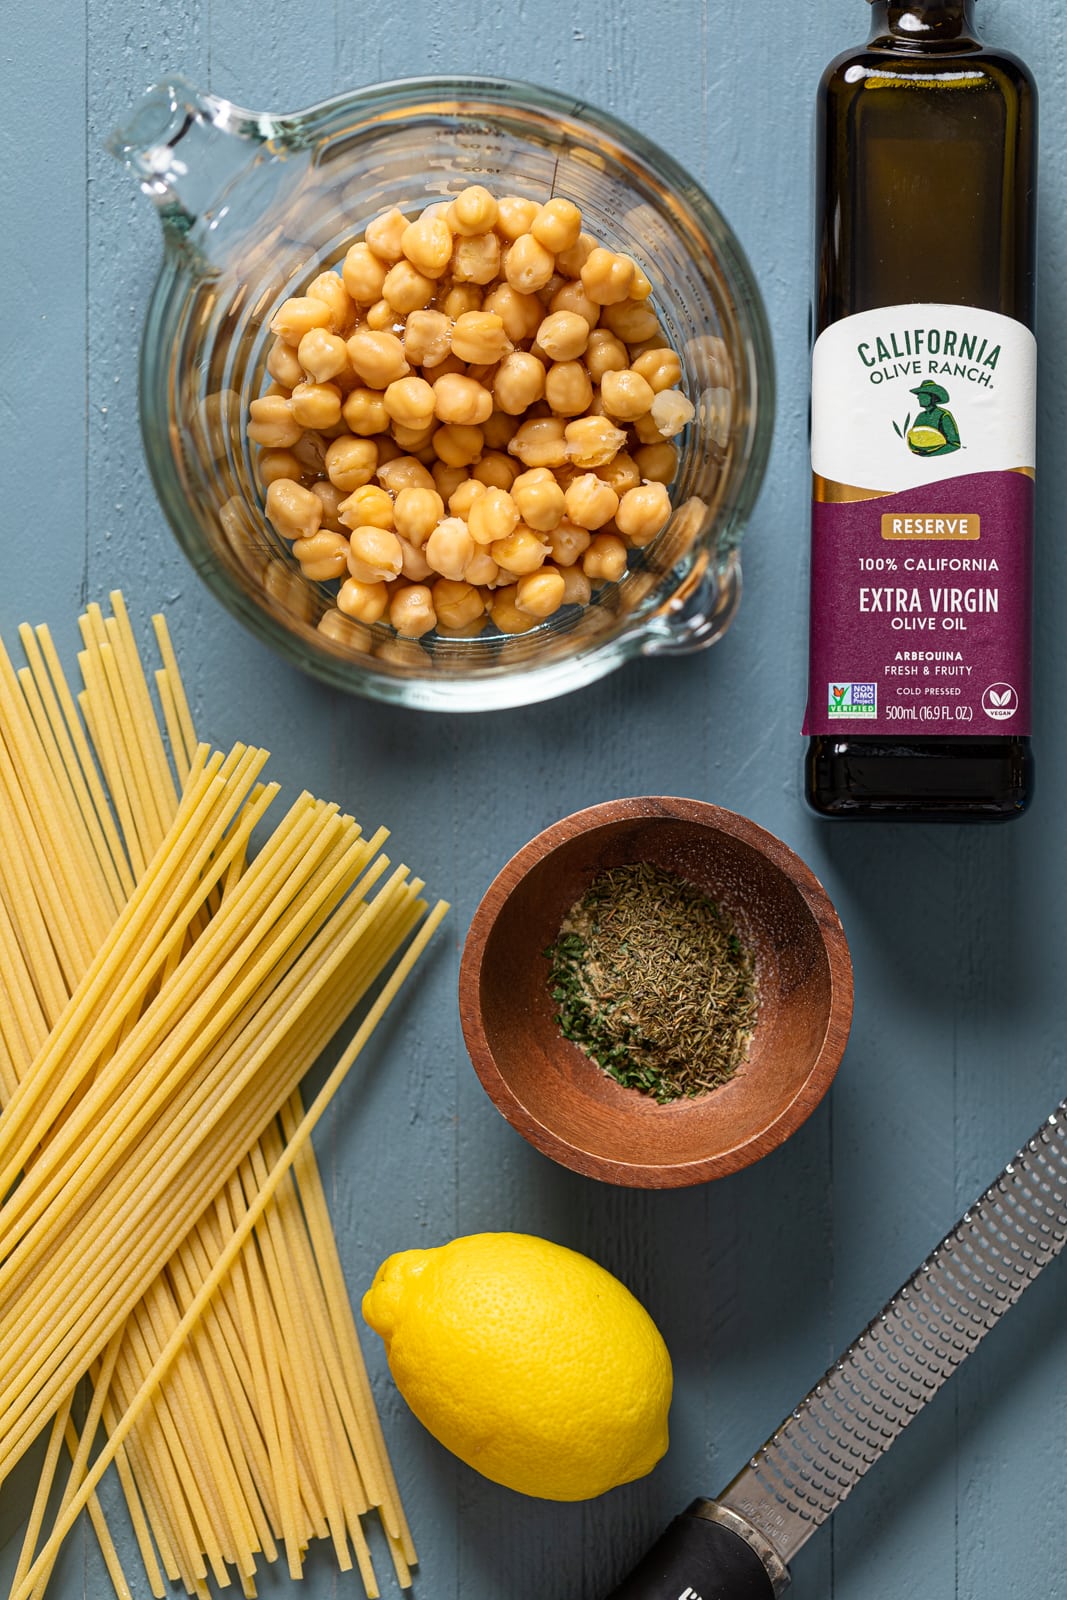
253,206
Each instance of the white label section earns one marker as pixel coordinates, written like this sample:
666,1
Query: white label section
910,395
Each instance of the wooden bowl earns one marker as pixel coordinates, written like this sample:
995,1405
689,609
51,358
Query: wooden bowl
560,1100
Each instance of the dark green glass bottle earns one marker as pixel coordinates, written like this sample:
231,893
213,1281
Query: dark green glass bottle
926,151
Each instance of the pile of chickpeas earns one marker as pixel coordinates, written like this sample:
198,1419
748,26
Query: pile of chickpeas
472,421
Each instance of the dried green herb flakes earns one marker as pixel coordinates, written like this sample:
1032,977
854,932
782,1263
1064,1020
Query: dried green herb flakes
653,983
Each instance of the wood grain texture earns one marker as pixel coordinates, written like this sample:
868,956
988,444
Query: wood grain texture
957,936
551,1092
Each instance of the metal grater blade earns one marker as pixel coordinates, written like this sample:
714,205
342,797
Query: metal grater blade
900,1361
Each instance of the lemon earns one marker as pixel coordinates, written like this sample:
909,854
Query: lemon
527,1360
924,439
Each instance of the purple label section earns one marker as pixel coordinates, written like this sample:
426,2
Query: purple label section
920,610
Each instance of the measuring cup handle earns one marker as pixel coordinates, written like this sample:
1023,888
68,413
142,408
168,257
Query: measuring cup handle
701,1558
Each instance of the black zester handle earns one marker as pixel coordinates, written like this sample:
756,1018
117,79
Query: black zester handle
701,1557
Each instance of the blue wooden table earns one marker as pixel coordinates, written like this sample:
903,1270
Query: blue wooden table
957,934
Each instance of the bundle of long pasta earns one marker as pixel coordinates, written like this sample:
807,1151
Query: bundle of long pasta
163,1225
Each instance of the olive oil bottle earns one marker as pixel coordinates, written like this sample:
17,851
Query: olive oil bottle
923,424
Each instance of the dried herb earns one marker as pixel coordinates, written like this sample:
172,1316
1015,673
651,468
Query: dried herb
653,983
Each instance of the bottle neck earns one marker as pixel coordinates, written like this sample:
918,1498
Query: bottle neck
918,24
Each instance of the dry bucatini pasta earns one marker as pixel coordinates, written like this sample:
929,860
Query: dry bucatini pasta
471,421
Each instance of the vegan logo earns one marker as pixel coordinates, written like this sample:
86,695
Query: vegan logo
933,432
1000,701
852,700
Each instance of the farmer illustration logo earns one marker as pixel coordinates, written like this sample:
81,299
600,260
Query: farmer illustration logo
933,431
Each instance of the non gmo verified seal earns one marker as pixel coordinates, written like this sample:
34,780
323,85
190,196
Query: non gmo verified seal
999,702
851,699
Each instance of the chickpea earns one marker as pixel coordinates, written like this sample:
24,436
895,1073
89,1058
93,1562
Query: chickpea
632,320
626,395
519,382
415,566
367,507
411,611
528,265
539,499
605,353
448,480
460,298
568,389
657,463
567,542
521,552
416,513
506,614
323,557
572,297
458,444
310,450
283,362
272,422
592,441
328,288
427,244
322,355
426,338
406,289
330,499
521,314
643,512
515,216
384,234
363,274
641,287
572,260
366,602
500,429
492,516
316,405
461,400
605,559
621,472
404,472
590,501
661,368
496,470
606,277
473,211
297,316
645,429
350,463
381,318
670,411
540,442
449,548
410,402
577,590
540,593
274,464
456,602
377,358
558,225
294,511
462,498
479,337
343,631
414,440
481,569
563,336
476,260
388,449
374,555
364,413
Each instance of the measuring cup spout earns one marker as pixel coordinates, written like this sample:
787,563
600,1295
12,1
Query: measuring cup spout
187,149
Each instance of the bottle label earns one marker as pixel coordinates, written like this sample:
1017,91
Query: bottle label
923,430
